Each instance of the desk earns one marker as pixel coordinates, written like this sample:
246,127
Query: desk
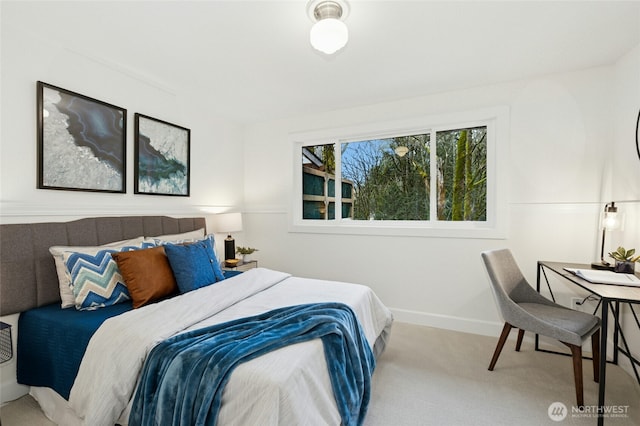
610,298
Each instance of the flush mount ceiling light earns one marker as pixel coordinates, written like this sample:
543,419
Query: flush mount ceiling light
329,33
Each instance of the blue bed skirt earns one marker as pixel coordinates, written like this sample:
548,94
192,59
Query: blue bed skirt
52,342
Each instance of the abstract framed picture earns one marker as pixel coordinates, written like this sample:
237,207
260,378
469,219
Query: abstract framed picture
81,142
161,157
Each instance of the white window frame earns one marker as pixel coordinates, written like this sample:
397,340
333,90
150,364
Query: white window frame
497,121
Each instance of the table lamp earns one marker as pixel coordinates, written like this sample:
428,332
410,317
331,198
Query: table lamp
226,223
609,221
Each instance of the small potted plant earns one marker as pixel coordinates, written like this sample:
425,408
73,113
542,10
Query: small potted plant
244,253
625,261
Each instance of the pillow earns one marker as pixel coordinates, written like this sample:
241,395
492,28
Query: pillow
194,265
147,274
96,281
159,242
64,281
185,236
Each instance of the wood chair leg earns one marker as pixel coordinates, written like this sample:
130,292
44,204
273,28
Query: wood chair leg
595,351
501,341
576,354
519,342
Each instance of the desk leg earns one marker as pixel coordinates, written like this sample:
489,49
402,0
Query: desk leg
603,361
616,332
537,338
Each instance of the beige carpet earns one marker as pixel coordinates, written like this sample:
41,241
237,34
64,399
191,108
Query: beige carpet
429,376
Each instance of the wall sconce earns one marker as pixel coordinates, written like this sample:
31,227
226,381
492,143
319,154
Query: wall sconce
329,33
226,223
609,221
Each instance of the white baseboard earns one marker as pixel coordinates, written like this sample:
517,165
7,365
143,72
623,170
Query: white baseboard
448,322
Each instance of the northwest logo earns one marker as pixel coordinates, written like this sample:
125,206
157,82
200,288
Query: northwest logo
557,411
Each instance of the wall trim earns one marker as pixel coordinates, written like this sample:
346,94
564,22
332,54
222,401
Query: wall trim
46,210
448,322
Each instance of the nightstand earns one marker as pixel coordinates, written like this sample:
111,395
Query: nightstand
242,267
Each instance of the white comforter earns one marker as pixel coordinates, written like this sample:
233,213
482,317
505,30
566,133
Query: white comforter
287,386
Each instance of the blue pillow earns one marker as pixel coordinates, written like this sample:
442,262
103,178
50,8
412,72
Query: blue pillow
95,279
194,265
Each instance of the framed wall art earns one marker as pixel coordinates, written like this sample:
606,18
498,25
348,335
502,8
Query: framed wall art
162,165
81,142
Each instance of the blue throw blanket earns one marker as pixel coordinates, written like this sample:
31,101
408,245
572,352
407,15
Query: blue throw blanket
184,376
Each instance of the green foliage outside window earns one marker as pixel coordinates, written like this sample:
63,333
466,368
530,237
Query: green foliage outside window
390,179
389,186
462,174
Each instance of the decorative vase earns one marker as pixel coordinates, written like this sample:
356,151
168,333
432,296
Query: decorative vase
625,267
246,258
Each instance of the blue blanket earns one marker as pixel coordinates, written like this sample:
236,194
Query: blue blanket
184,376
52,342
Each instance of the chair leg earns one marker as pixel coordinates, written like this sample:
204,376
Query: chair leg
595,351
519,342
576,354
503,338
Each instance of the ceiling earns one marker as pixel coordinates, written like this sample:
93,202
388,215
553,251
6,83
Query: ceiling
253,60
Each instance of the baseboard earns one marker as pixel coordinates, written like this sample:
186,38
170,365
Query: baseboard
474,326
448,322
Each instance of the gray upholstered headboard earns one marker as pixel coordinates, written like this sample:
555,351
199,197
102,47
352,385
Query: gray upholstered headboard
28,276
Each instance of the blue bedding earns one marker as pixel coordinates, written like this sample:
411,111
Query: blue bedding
52,342
184,376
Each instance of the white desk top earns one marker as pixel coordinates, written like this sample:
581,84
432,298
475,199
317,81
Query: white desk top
608,291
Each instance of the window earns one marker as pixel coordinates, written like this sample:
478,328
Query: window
319,185
435,179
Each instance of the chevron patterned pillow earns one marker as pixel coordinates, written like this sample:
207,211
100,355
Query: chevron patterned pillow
96,281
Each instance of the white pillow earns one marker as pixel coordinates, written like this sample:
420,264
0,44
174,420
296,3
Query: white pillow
64,279
188,236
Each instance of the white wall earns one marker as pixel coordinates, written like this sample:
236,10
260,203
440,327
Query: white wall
562,136
624,183
216,145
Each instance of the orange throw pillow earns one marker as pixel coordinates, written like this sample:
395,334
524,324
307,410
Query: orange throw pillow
147,274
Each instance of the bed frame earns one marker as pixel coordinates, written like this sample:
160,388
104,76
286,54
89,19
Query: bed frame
28,277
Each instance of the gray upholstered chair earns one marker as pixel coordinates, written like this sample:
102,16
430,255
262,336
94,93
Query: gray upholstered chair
524,308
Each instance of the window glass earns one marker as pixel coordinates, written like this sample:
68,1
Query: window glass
462,174
318,182
390,177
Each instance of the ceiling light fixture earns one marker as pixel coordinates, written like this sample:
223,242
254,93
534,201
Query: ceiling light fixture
329,33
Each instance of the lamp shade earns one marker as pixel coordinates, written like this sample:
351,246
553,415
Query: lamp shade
329,35
610,220
329,32
227,222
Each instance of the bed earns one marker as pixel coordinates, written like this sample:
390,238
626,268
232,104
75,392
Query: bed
84,366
